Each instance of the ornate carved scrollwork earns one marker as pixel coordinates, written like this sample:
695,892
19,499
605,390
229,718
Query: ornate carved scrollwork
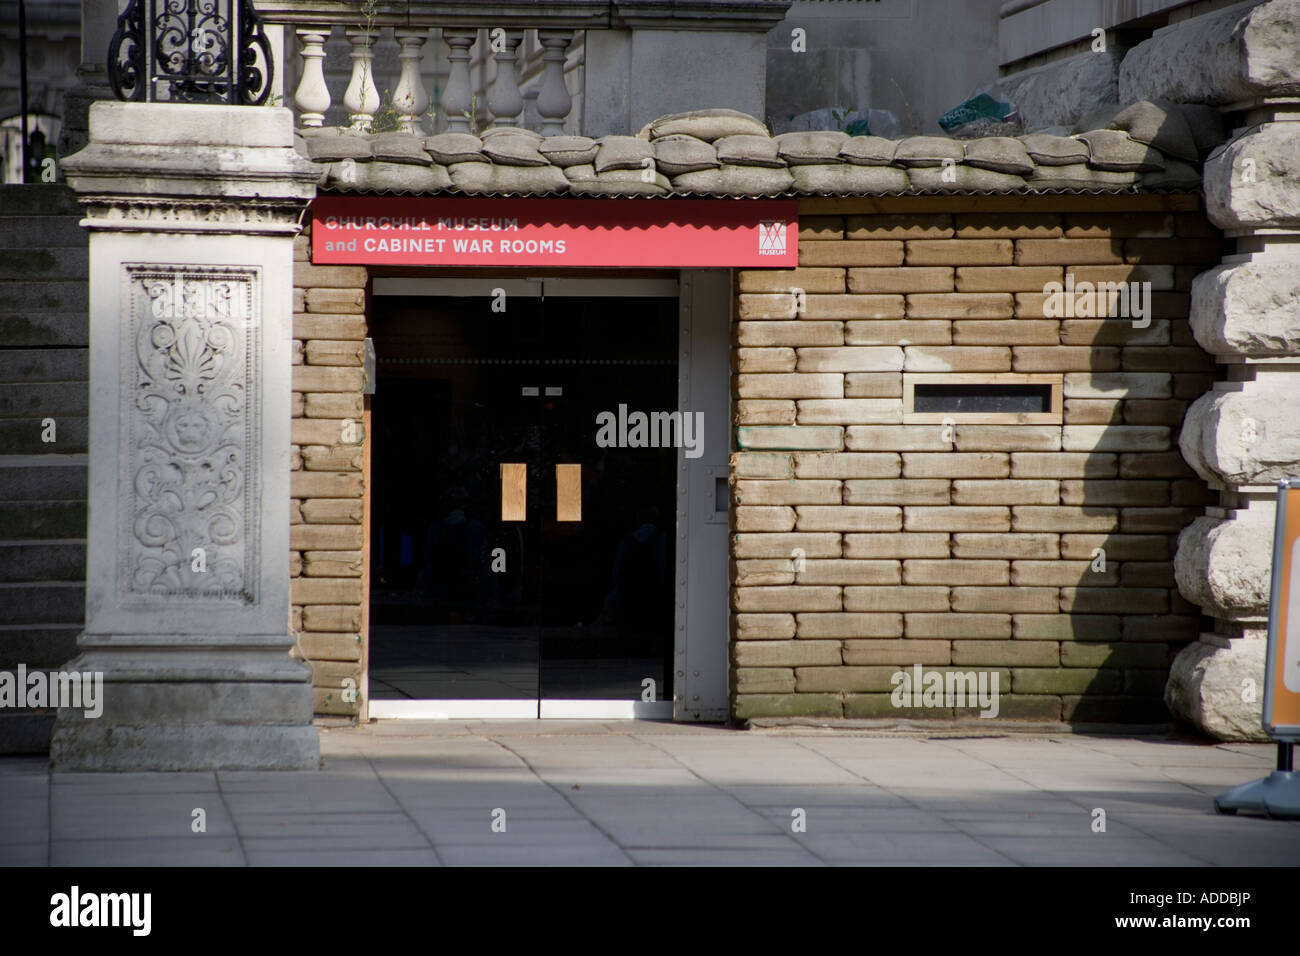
189,485
191,51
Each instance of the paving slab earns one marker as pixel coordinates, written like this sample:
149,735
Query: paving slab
617,793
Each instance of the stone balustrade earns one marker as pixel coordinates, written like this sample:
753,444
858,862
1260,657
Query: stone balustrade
459,101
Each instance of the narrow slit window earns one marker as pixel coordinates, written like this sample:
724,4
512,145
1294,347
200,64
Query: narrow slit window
961,399
1003,398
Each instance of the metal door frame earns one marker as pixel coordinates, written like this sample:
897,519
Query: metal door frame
700,638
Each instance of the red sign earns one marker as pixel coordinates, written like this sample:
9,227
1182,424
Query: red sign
390,230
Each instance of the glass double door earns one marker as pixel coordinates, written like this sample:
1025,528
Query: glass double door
522,543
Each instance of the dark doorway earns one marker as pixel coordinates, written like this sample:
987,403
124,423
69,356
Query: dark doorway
515,558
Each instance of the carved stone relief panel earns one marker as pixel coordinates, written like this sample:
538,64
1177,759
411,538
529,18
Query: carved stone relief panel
189,484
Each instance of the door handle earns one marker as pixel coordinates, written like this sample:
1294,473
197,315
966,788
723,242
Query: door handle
568,492
514,491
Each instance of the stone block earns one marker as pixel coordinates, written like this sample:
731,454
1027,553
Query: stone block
895,438
764,627
905,279
873,384
764,680
959,252
1007,332
972,438
851,252
786,598
895,333
1005,653
1268,198
1092,600
971,544
764,465
938,358
1114,438
1057,574
765,360
845,518
790,385
914,491
849,572
789,334
987,519
793,438
764,518
960,305
953,572
845,465
853,627
973,464
897,652
765,411
810,279
795,491
1042,680
1006,278
898,545
1065,627
787,653
850,359
1021,491
1008,600
1248,308
1065,358
783,545
904,598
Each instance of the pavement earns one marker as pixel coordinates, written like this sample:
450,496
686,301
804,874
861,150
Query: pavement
619,793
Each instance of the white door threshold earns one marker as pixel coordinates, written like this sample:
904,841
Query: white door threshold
521,709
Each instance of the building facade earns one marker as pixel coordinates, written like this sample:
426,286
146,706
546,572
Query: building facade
996,412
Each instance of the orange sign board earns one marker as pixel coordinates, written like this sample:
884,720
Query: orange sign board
1282,676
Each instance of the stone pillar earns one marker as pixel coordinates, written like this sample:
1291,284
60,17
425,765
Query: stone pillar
98,22
1244,435
192,211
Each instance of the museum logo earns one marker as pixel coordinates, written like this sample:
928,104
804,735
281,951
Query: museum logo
771,238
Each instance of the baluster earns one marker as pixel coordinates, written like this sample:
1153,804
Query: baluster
553,99
457,97
504,99
411,101
312,96
362,96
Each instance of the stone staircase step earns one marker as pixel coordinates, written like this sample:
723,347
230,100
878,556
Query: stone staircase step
26,731
41,232
45,329
45,295
38,199
22,436
50,477
42,603
37,400
43,560
24,520
37,263
38,645
44,365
